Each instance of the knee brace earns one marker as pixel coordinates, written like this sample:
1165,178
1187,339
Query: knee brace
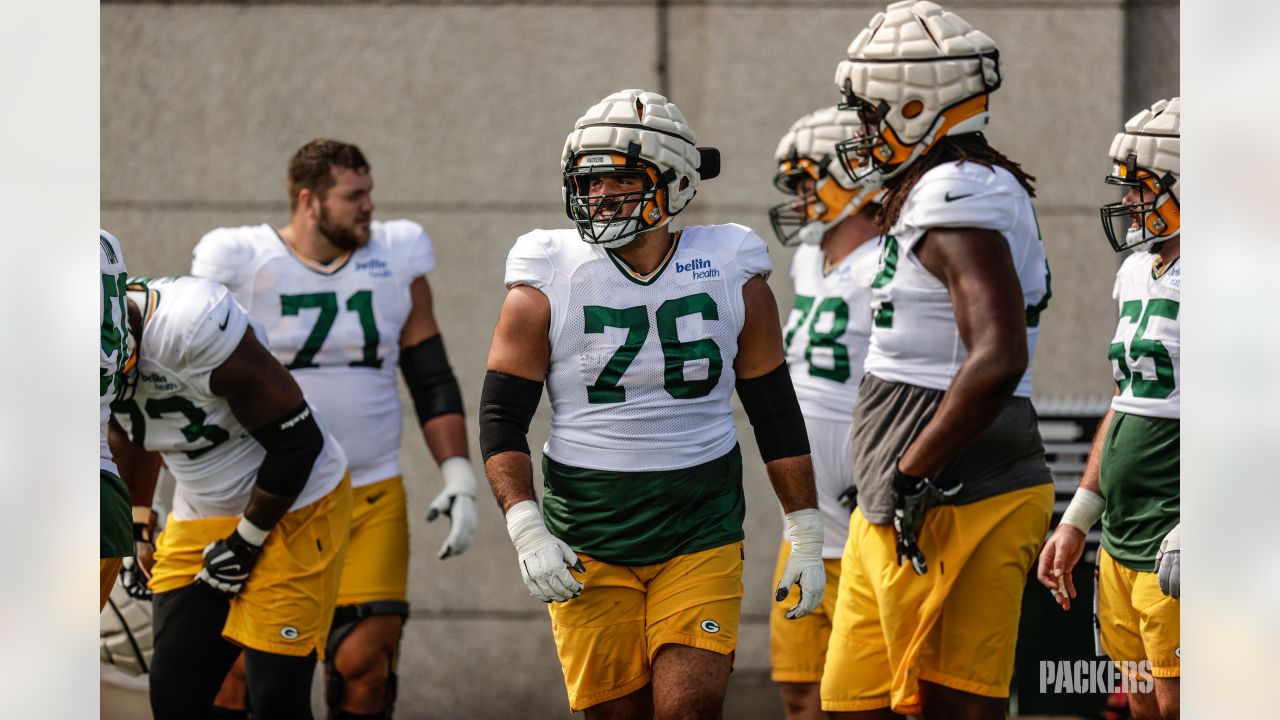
345,619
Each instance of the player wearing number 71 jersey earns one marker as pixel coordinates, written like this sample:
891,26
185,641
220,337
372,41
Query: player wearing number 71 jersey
641,335
1132,479
345,302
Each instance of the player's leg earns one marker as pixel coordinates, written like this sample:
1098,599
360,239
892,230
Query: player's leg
1169,697
1139,623
363,647
633,706
108,571
969,674
230,704
689,683
361,665
279,685
191,658
802,701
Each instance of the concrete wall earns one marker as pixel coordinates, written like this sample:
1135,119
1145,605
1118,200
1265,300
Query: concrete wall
462,109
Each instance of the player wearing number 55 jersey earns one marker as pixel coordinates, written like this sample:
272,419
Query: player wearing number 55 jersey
252,550
826,338
345,302
1132,478
954,497
641,334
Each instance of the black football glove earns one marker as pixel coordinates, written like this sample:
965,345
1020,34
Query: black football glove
227,564
912,499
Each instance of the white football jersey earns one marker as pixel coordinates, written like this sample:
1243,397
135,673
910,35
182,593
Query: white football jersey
641,367
190,327
1146,353
336,328
113,350
914,338
829,329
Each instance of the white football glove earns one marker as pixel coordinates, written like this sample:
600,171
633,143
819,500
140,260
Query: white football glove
803,529
544,559
457,501
1169,563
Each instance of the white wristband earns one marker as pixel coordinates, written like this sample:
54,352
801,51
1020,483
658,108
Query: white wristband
458,477
1084,511
252,534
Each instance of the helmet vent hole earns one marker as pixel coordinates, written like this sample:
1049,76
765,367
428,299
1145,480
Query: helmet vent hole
912,109
684,183
639,109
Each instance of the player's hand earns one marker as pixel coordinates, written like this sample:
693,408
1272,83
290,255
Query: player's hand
136,570
457,501
227,564
849,498
913,497
1169,563
1058,558
544,559
803,530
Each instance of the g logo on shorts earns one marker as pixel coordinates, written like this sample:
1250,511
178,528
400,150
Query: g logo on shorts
710,626
289,632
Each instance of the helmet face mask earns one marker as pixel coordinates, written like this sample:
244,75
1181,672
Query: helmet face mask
600,216
1155,217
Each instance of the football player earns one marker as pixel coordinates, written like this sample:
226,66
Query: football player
114,358
954,496
253,547
825,338
641,334
345,302
1131,481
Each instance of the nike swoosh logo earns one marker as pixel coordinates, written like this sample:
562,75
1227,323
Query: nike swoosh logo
949,197
225,320
375,498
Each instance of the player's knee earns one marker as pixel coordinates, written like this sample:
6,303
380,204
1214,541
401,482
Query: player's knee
800,699
364,664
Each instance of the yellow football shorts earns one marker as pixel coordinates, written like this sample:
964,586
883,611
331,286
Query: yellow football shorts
956,626
286,607
1137,621
377,566
608,636
798,648
108,571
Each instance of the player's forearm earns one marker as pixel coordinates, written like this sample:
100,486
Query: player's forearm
1091,478
446,436
792,480
510,477
978,393
265,509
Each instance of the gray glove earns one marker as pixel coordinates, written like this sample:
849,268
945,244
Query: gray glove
1169,563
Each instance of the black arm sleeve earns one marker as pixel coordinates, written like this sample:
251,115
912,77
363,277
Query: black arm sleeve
431,382
774,412
293,443
507,404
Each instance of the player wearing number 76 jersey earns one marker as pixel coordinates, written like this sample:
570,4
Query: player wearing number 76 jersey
1132,479
641,335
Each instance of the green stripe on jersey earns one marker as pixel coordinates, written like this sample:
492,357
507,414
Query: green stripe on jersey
642,518
1140,483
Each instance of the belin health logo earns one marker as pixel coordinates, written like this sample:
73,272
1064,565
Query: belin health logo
701,269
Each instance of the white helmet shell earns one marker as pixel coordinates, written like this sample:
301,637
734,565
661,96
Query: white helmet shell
125,637
1153,136
815,135
651,122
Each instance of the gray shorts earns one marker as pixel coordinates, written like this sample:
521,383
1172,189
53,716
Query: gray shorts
1008,455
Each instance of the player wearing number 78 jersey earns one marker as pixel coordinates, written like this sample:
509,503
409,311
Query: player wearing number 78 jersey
1132,479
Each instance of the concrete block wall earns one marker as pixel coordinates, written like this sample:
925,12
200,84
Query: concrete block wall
462,109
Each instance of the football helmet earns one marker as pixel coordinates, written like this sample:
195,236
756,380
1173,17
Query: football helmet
916,74
808,150
125,637
1146,157
632,132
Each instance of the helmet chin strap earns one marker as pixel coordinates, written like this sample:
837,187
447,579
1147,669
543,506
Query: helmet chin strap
813,233
614,234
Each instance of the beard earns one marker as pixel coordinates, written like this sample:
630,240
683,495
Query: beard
343,237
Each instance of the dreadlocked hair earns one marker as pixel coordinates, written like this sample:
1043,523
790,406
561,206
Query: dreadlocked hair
969,147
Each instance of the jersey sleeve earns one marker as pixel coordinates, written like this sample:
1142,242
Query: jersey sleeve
753,256
221,255
957,201
528,263
197,332
411,246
